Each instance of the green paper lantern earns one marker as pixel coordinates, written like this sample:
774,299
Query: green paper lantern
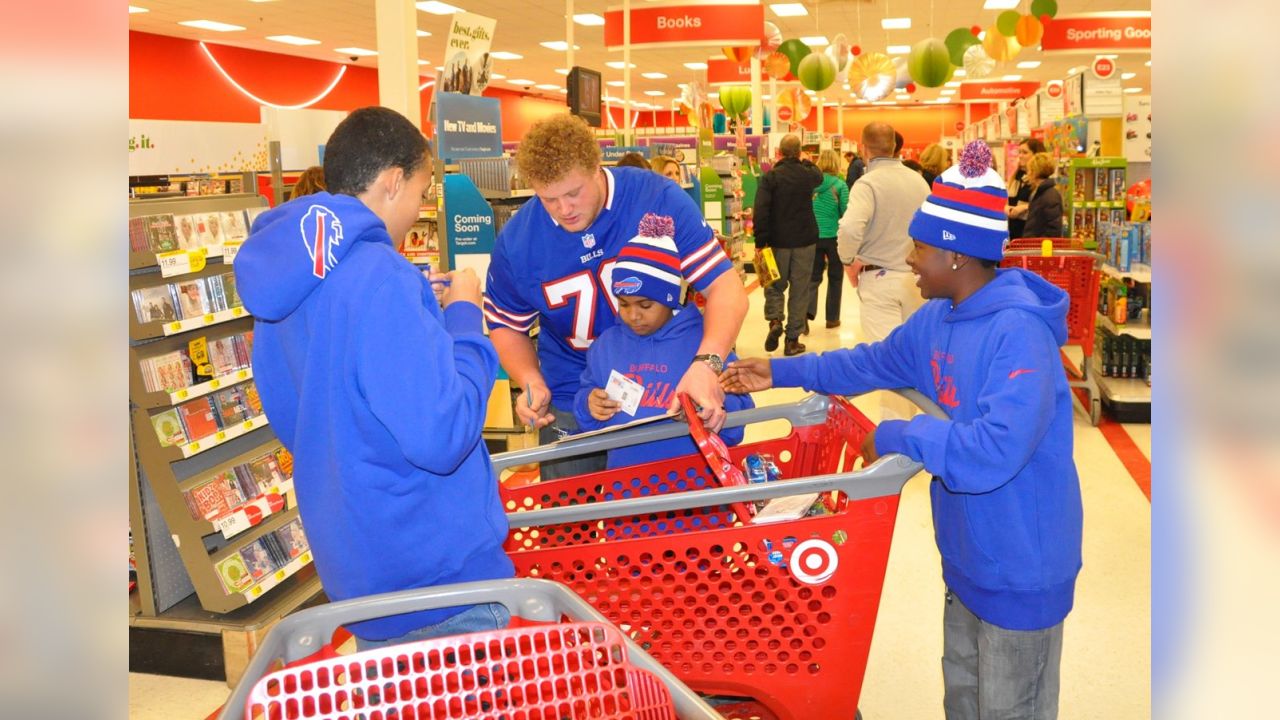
957,42
929,63
736,100
1041,8
817,71
795,50
1007,22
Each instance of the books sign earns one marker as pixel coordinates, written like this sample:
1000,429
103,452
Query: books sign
726,23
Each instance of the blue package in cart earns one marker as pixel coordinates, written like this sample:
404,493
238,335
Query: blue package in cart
759,468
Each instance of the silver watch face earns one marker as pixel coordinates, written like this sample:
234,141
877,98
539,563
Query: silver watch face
715,361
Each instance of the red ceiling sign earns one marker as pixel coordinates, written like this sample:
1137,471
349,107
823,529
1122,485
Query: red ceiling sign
1109,32
1054,89
1104,68
996,91
722,71
687,25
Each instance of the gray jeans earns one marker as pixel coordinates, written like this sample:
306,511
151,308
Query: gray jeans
990,673
795,270
477,618
569,467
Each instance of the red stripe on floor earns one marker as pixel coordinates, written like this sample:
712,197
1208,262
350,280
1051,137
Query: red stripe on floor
1130,456
754,284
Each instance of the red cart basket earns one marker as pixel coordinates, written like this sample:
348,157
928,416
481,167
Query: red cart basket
544,671
780,612
1079,273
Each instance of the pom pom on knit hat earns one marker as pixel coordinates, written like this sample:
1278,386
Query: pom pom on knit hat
649,264
965,212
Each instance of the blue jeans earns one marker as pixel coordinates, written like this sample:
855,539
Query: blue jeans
990,673
477,618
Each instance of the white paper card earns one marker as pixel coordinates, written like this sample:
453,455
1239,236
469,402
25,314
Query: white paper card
625,391
785,508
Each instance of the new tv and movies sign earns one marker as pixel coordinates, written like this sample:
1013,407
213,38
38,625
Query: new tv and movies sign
1100,32
686,25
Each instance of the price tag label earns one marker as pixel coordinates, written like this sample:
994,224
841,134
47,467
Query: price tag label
306,557
280,575
229,252
242,374
208,319
222,435
182,394
215,384
194,447
248,424
232,524
256,591
237,312
180,262
175,326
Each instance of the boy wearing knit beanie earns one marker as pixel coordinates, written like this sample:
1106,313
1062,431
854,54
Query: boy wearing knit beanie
1006,497
655,343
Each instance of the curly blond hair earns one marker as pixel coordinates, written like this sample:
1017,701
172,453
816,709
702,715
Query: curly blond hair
1040,166
934,159
556,146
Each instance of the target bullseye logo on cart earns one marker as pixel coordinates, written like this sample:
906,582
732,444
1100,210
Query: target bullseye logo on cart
814,561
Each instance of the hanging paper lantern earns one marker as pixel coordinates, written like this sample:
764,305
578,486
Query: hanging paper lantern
795,50
838,50
872,76
796,102
739,55
1000,47
770,39
817,71
1007,22
957,42
977,64
777,65
1044,8
735,99
929,63
1029,31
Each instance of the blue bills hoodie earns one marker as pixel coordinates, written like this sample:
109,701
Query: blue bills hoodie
1006,498
380,396
656,361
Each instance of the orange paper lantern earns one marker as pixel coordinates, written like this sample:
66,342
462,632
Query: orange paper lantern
1029,31
739,55
777,65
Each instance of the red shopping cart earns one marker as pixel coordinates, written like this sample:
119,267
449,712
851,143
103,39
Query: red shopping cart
544,671
1079,273
782,613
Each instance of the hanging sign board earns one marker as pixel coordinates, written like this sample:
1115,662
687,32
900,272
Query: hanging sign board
467,65
996,91
468,127
1099,32
684,24
723,71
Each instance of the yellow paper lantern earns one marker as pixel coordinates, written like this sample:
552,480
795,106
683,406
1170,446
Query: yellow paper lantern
797,102
872,76
999,47
739,55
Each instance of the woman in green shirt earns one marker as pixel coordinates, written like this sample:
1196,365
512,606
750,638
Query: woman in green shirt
829,202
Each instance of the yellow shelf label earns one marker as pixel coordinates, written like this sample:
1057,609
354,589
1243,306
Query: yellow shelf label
256,591
221,436
306,557
215,384
248,424
237,312
194,446
242,374
175,326
280,575
182,394
208,319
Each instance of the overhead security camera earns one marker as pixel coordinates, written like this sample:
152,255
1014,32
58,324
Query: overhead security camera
355,58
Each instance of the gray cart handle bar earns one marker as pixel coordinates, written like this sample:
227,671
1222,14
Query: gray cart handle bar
811,410
305,632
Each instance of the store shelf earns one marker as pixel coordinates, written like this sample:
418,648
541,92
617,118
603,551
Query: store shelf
179,326
209,386
1121,390
1142,332
270,581
252,513
222,436
1137,273
489,194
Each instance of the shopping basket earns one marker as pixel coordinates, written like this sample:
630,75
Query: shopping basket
782,612
1079,273
543,671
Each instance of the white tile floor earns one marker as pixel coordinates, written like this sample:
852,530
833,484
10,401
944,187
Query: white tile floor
1106,660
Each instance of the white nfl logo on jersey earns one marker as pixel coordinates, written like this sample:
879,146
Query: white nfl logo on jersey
588,241
946,235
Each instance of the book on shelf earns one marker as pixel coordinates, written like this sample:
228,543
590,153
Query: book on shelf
169,428
213,234
292,539
251,397
192,297
162,234
229,290
154,304
215,497
233,573
199,417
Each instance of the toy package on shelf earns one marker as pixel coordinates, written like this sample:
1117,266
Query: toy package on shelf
1125,244
1095,196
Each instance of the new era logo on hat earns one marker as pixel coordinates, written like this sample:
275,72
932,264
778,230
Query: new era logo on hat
649,264
965,210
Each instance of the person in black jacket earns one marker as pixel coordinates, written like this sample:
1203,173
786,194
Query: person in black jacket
856,168
784,221
1020,187
1044,214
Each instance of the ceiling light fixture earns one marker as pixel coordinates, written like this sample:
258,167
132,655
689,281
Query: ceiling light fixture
1028,64
1011,78
896,23
615,83
437,8
654,93
960,72
213,25
359,52
702,65
618,64
588,19
292,40
1133,90
654,75
521,81
504,55
562,71
788,9
1000,4
134,9
423,33
558,45
547,86
342,70
953,84
1128,76
898,49
815,40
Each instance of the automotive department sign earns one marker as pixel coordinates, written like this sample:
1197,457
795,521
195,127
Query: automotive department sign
685,25
1098,32
996,91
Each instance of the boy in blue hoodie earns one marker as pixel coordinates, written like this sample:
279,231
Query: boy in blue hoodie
379,395
1006,497
653,346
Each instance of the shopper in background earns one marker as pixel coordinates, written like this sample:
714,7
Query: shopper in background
914,166
1020,188
656,339
933,161
1006,494
1044,214
784,221
378,393
873,243
311,181
667,167
829,203
554,266
855,170
633,159
898,142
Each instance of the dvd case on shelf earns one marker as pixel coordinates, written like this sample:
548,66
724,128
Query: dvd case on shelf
192,297
154,304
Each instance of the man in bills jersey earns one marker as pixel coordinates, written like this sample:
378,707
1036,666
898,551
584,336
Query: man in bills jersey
553,265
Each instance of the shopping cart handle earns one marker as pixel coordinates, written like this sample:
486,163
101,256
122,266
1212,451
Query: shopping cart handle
304,633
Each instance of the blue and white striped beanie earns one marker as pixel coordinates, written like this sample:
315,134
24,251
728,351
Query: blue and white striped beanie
649,264
965,212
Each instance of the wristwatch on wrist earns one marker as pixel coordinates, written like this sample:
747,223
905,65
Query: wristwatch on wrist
714,361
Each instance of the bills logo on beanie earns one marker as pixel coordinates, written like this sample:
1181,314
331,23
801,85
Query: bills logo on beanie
649,264
965,211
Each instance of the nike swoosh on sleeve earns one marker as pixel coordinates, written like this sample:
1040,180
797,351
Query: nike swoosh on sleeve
1023,371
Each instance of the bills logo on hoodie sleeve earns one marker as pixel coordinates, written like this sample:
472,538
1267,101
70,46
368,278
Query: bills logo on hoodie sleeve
321,232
